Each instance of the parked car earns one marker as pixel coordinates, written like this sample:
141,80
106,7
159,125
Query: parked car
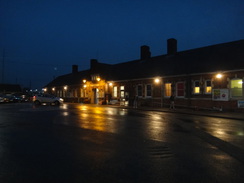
47,98
3,98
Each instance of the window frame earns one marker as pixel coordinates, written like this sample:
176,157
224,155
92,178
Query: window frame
167,90
122,91
231,89
115,92
182,90
146,91
141,90
206,86
195,83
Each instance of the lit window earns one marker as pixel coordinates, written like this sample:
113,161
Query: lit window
139,90
115,91
82,92
196,87
236,88
180,88
167,89
148,90
122,91
208,86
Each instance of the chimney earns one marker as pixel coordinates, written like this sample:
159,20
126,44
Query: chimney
93,64
145,52
171,46
74,69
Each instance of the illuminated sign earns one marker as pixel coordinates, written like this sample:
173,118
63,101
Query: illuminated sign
240,103
220,94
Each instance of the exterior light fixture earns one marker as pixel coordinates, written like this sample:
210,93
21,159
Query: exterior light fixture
65,87
157,80
44,89
98,79
84,86
110,84
84,80
53,89
219,76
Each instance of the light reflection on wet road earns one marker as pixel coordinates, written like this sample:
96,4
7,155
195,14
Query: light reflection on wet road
115,120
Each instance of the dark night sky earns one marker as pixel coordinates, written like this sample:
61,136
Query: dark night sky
40,39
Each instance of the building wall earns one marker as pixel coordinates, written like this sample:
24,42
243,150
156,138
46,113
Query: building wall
190,99
153,94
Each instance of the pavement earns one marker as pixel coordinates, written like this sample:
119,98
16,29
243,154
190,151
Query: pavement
210,113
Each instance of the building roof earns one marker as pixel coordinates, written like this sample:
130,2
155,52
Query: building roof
220,57
70,79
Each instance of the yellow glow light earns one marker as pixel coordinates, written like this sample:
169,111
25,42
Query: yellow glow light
157,80
53,89
98,79
65,87
84,81
219,76
110,84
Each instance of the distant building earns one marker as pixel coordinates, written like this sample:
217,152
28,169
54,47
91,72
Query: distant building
209,77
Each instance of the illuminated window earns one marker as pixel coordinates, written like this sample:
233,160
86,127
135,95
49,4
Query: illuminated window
196,87
167,89
236,88
115,91
180,89
148,90
122,91
82,92
139,90
208,87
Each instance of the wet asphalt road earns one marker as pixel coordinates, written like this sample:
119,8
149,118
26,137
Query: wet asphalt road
88,143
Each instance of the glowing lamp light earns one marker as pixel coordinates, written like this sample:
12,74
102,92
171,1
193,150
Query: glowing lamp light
219,76
157,80
110,84
98,79
44,89
53,89
84,86
65,87
84,81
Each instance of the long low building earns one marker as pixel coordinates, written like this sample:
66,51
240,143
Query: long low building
203,78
